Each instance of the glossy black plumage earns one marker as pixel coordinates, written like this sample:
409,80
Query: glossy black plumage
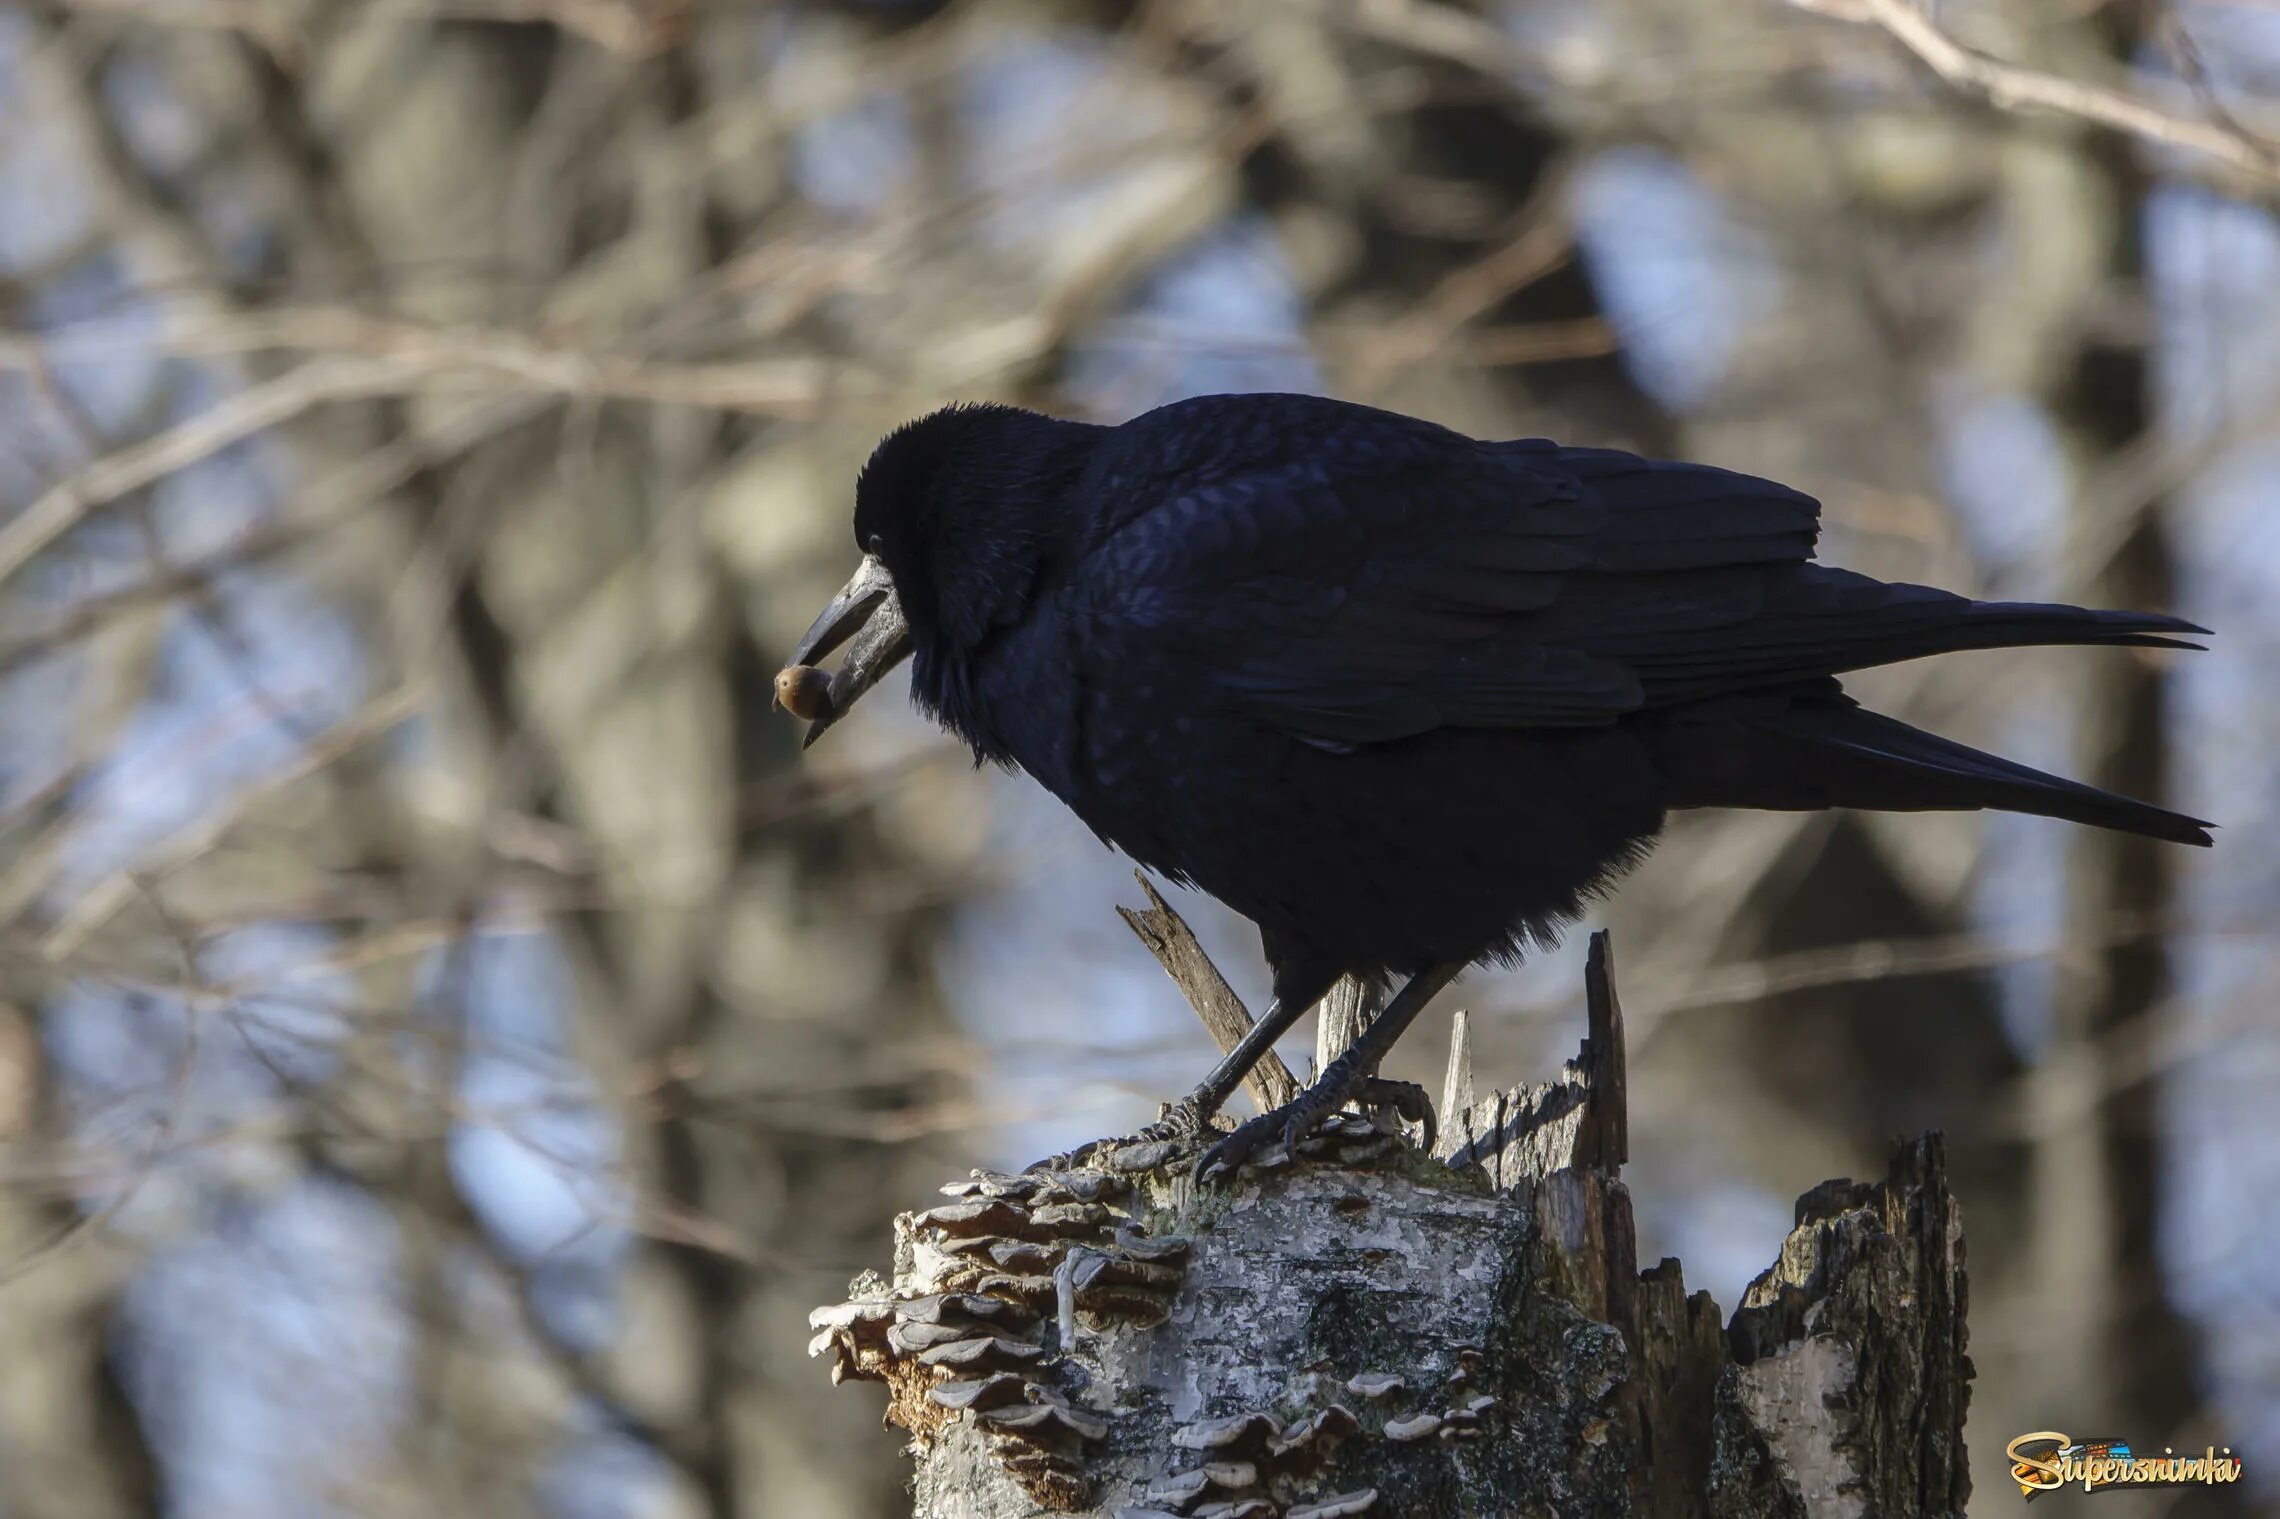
1403,698
1400,696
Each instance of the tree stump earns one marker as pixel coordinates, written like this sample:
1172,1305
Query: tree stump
1361,1328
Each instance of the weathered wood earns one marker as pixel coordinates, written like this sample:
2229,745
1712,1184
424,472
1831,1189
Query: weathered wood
1849,1377
1577,1119
1174,945
1362,1329
1340,1017
1457,1083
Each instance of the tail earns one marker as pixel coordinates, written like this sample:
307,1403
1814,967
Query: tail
1786,752
1826,621
2015,624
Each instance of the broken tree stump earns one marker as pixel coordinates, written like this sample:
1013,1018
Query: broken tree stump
1364,1329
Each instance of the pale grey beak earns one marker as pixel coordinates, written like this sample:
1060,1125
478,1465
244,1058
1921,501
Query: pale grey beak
866,610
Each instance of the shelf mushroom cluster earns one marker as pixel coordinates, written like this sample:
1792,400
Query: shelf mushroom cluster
1004,1280
1014,1264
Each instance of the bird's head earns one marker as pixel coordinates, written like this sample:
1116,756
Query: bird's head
956,515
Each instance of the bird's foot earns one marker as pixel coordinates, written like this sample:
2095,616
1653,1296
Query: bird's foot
1391,1103
1285,1131
1183,1127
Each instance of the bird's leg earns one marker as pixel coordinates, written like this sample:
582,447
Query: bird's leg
1348,1079
1189,1119
1348,1009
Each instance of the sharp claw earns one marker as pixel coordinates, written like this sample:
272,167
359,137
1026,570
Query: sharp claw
1228,1156
1184,1122
1292,1124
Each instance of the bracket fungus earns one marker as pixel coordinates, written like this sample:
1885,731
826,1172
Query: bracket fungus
974,1344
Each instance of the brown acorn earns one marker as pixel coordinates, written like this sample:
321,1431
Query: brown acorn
803,691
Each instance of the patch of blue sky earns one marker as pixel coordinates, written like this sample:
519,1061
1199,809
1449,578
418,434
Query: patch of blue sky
171,1092
1721,1236
1222,315
531,1168
1679,277
1577,42
1018,99
1044,120
118,1053
215,722
296,1009
270,1355
598,1473
2214,269
535,1149
165,136
2003,466
201,510
2228,534
171,141
301,654
119,545
120,1050
855,160
2017,900
104,352
2223,698
2219,1252
35,749
2238,43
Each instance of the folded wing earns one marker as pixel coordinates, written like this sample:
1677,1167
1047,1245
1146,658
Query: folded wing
1373,596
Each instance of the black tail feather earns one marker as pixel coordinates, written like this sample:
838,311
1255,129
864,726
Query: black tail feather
1899,768
2009,624
1829,621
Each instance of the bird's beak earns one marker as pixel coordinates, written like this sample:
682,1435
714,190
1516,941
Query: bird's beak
865,610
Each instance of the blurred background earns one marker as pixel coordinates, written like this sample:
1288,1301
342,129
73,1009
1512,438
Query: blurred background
448,1036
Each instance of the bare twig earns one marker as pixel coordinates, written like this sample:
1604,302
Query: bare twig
2010,87
1170,941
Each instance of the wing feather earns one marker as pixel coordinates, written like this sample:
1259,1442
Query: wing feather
1409,580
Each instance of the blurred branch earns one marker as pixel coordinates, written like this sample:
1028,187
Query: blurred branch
95,907
242,416
629,28
764,385
75,1444
329,503
2010,87
402,357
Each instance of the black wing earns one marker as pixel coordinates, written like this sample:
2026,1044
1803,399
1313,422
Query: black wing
1388,578
1370,589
